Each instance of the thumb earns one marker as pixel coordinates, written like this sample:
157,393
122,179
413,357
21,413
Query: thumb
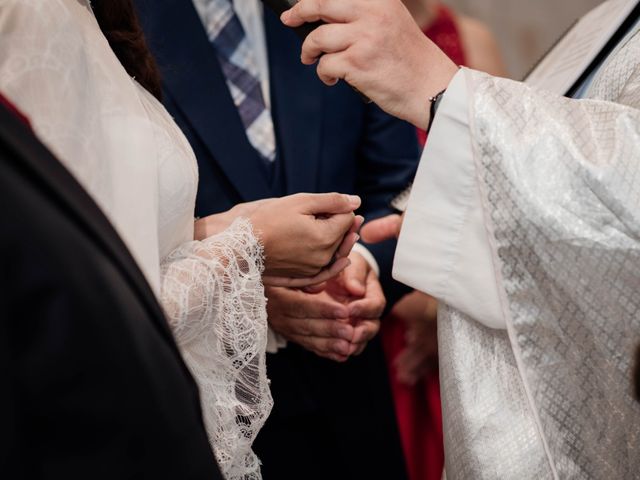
381,229
328,203
355,276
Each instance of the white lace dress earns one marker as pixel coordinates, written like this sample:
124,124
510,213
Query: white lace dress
124,148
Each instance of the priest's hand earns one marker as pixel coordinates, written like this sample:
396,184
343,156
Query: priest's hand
382,229
376,46
419,312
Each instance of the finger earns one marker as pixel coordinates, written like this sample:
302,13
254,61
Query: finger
355,276
328,38
382,229
365,331
350,238
331,68
343,249
412,365
357,224
308,11
318,307
359,349
326,274
315,289
404,372
372,305
320,328
337,226
336,357
323,345
320,204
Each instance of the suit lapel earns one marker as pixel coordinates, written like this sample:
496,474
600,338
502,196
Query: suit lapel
189,65
64,189
297,101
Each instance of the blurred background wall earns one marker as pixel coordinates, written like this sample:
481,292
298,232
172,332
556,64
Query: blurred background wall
525,28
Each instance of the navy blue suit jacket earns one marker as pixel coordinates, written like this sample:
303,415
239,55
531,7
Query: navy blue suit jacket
328,139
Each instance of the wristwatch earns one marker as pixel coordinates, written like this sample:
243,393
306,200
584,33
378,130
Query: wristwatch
434,103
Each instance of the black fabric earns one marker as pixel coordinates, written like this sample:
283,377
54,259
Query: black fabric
93,385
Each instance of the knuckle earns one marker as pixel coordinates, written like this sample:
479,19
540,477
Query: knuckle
336,198
303,328
318,37
297,312
327,245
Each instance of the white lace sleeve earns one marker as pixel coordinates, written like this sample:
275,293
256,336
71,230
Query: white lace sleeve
214,298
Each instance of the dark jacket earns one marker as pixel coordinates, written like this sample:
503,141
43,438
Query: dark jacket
93,385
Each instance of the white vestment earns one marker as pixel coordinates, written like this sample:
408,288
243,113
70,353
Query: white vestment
125,149
524,221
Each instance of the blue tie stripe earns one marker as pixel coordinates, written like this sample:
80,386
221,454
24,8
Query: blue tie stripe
243,80
236,59
229,38
250,109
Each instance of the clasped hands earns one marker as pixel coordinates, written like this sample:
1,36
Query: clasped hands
321,295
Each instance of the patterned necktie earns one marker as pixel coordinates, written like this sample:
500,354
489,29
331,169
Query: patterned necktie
241,71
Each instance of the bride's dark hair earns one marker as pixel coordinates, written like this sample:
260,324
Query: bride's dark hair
119,22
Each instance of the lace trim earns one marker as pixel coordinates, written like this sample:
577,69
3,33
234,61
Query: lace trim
213,294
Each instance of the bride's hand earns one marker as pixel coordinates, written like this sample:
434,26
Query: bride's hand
317,283
302,234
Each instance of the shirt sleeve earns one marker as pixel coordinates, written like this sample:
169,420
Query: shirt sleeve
368,256
444,247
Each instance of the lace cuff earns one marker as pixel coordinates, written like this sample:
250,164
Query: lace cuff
214,298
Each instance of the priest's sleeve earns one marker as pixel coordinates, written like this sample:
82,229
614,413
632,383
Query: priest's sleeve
525,215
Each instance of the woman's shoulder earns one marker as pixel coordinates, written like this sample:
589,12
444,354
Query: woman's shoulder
49,15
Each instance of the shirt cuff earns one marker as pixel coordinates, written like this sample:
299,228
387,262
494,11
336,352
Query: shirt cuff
275,341
443,247
368,256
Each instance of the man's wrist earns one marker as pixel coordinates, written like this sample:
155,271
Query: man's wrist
368,257
275,341
438,74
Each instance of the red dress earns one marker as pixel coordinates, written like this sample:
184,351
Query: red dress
418,408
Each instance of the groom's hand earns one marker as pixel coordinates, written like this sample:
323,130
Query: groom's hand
335,322
317,322
366,300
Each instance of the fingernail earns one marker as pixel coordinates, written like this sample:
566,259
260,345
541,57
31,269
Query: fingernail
343,348
284,18
355,200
